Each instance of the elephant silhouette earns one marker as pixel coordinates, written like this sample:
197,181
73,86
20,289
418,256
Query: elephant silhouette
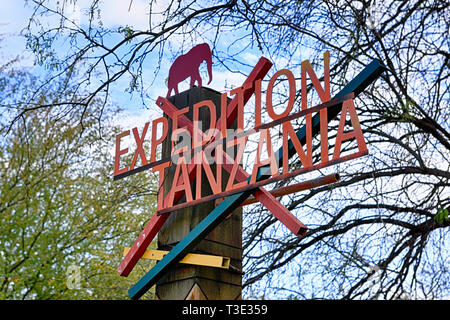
187,65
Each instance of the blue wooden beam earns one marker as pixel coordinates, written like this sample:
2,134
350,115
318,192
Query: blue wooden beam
369,74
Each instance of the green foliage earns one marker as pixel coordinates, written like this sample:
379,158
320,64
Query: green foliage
126,31
442,216
63,221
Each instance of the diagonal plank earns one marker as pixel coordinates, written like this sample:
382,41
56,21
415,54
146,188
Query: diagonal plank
156,221
368,75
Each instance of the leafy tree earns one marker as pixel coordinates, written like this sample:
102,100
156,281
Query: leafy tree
63,221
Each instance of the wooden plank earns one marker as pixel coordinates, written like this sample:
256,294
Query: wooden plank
205,260
297,187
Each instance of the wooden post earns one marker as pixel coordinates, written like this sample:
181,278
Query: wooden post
199,282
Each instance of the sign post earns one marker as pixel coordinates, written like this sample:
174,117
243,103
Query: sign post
194,281
202,185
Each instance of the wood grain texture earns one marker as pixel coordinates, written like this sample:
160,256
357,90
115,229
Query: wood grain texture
225,240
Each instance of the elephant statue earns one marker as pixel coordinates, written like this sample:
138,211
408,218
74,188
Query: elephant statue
187,65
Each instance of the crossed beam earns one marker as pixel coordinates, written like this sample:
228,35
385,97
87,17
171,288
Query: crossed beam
156,222
369,74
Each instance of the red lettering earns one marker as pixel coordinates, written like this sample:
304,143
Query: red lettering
240,94
139,146
184,185
155,141
291,101
241,141
349,106
120,152
199,139
264,136
306,160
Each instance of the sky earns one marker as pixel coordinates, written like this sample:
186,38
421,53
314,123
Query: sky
114,14
14,16
12,21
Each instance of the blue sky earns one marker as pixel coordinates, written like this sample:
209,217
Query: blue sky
118,13
12,21
14,17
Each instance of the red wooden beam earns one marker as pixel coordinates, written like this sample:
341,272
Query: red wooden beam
280,212
301,186
141,244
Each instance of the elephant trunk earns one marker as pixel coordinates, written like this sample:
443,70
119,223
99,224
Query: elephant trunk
209,66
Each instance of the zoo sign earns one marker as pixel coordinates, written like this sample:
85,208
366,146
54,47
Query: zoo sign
194,151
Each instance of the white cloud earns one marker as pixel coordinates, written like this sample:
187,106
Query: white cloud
13,18
225,80
128,119
120,13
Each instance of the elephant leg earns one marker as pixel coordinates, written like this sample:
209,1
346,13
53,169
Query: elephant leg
199,80
196,77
